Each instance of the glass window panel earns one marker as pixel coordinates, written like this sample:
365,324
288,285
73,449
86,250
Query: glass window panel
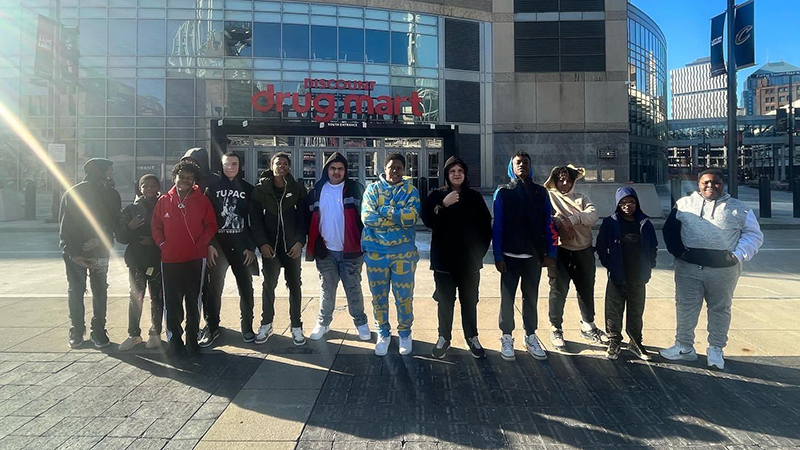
323,9
121,98
122,13
376,14
93,37
351,44
427,51
237,98
401,48
425,29
324,75
377,69
182,37
238,39
351,23
377,45
238,4
150,97
323,42
153,73
351,67
317,65
350,12
295,41
210,94
121,73
152,13
180,97
267,17
376,25
121,153
267,64
239,16
121,37
402,16
93,12
301,19
294,76
323,20
295,65
271,75
151,37
91,95
295,7
181,3
267,6
209,38
9,40
427,20
607,175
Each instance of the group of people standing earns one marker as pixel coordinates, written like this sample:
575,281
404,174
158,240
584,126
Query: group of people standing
181,244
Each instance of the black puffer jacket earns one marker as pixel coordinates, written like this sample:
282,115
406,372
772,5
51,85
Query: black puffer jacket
137,255
278,217
462,231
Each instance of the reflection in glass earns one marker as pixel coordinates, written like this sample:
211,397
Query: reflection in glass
150,97
210,37
180,97
91,95
121,97
377,43
309,169
371,169
427,51
238,39
402,48
412,164
353,166
403,143
295,41
267,40
121,153
121,37
351,44
93,37
150,39
210,94
323,42
237,98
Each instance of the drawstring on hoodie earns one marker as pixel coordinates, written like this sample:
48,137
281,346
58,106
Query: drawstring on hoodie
713,208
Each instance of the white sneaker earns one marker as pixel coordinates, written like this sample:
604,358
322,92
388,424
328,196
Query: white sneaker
535,348
679,352
154,341
297,336
507,347
714,357
264,332
318,332
363,332
129,343
382,345
406,344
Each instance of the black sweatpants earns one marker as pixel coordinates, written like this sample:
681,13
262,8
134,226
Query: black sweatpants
530,272
579,267
140,282
291,273
445,296
183,282
618,297
212,299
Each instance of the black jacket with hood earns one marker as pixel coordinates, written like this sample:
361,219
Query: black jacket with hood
231,201
200,156
103,202
137,255
278,218
352,194
461,232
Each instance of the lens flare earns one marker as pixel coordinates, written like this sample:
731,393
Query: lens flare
41,153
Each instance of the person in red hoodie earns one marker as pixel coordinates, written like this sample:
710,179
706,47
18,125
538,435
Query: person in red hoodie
182,226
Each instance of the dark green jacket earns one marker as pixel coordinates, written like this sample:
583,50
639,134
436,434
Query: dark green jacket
277,218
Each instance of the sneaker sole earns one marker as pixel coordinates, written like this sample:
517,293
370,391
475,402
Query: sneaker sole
262,342
477,356
508,358
365,338
298,344
377,353
99,345
690,357
316,338
248,340
714,366
612,357
78,345
438,357
640,356
538,357
154,347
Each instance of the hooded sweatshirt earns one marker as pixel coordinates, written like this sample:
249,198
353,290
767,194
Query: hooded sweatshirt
462,231
575,207
182,228
200,156
102,201
231,202
137,255
713,233
352,193
609,242
522,219
390,212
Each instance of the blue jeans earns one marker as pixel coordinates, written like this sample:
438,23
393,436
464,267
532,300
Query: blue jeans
332,269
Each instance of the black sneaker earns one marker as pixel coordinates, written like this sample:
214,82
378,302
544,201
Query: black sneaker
207,337
175,348
100,338
441,348
613,350
639,350
192,350
475,348
595,335
247,331
75,338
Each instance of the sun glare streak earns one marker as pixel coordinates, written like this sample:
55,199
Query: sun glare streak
22,131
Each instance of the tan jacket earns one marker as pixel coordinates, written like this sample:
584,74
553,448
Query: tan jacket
575,207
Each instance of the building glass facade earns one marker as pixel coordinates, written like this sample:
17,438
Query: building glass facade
154,73
647,89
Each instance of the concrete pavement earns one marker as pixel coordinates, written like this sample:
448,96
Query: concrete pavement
337,394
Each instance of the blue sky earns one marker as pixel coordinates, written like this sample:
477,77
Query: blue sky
686,24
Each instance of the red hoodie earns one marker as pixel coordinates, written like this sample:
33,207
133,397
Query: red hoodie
183,233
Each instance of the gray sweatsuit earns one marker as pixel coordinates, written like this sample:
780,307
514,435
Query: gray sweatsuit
724,224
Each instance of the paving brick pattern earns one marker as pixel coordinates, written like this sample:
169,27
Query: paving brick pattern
566,402
119,401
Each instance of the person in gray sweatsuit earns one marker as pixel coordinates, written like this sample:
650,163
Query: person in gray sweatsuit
710,234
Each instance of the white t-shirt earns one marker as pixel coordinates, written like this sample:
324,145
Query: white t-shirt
331,210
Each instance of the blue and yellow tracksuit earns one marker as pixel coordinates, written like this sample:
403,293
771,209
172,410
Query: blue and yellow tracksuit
389,213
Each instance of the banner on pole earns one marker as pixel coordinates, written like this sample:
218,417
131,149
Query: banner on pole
717,58
45,48
745,35
69,55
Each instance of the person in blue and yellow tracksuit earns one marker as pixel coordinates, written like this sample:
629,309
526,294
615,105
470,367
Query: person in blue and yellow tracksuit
389,211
